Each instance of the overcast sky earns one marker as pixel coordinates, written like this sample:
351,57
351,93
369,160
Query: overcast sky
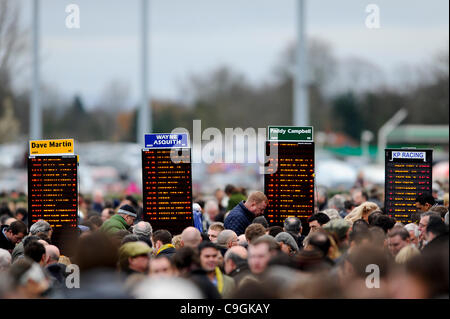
196,36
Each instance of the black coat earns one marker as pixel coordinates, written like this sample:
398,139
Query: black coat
4,242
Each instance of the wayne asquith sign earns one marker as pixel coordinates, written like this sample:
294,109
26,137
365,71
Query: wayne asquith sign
291,133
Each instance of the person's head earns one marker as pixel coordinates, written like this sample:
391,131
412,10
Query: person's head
361,257
332,213
253,231
161,266
436,227
242,241
260,252
134,256
185,260
340,228
424,202
362,212
28,279
287,243
129,238
373,216
128,213
406,253
256,203
275,230
337,202
319,240
360,196
96,222
214,231
424,219
209,256
21,214
385,222
52,253
107,213
36,252
441,210
5,260
293,224
414,233
190,237
227,239
212,209
261,220
219,194
96,250
359,237
16,232
234,258
349,205
41,226
316,221
397,239
143,229
160,238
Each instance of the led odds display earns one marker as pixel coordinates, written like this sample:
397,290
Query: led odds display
290,189
53,190
167,188
407,175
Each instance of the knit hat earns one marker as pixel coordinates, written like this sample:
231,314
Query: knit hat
127,210
287,239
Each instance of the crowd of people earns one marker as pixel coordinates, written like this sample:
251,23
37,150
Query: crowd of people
349,248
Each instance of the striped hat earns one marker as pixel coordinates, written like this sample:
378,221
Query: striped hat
127,210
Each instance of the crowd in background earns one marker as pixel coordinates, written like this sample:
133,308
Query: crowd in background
349,248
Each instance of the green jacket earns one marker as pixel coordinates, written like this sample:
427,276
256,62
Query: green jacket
114,224
234,200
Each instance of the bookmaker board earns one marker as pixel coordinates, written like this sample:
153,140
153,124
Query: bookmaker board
167,184
289,181
53,190
408,174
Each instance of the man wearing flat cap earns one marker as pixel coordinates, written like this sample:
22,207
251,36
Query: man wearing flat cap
122,220
134,257
287,243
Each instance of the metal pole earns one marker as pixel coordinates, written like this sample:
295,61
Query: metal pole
36,113
387,128
301,98
145,114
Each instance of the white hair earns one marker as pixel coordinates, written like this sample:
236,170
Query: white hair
41,226
143,229
413,227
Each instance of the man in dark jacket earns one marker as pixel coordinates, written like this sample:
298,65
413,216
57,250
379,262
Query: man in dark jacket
242,215
12,234
436,235
162,242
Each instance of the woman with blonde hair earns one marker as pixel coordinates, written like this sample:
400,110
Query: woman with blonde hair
406,253
361,212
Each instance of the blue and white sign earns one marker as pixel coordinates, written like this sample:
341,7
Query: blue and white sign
409,155
163,140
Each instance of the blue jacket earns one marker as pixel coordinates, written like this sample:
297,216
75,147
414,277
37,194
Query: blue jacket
239,218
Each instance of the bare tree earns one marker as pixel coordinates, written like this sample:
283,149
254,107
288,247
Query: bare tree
12,41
